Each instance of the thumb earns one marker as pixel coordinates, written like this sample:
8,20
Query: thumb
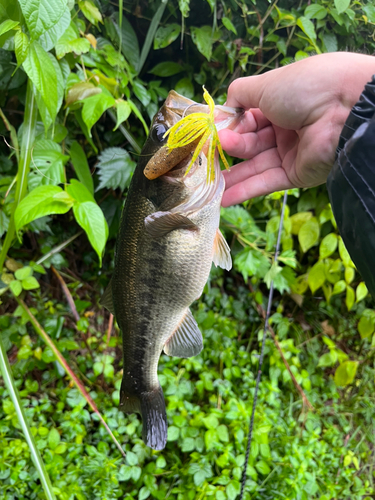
246,92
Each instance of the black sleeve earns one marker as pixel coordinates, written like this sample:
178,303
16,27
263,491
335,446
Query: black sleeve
351,185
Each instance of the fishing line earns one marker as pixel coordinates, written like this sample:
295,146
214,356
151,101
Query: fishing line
269,305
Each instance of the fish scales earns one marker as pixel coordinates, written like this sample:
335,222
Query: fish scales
167,240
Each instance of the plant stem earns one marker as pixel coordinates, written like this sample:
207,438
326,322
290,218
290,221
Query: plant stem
28,137
35,455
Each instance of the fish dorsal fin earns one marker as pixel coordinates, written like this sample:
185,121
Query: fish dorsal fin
107,300
221,255
159,224
187,340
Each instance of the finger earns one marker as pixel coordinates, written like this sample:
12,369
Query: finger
267,160
251,121
247,145
259,185
246,92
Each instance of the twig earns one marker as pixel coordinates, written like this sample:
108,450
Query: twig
67,294
60,358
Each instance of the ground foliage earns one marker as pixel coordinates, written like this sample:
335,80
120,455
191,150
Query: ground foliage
80,83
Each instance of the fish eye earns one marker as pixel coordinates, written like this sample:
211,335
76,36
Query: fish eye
158,132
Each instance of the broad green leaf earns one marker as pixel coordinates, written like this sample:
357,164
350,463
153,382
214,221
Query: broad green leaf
263,467
71,42
79,192
349,274
366,326
23,273
173,433
90,217
330,44
41,15
298,220
341,5
328,245
317,276
49,38
81,167
350,297
129,40
361,292
16,287
21,45
138,114
144,493
307,27
131,458
141,92
222,432
328,359
184,6
53,438
339,287
43,200
166,68
345,373
228,24
315,11
344,254
185,87
151,34
369,10
90,11
203,38
123,111
308,235
80,91
8,25
94,107
164,36
30,283
47,164
114,168
42,73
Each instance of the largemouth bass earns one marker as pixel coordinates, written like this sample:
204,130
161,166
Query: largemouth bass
169,236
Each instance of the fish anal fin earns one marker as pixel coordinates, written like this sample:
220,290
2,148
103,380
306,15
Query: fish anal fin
159,224
107,300
187,340
221,256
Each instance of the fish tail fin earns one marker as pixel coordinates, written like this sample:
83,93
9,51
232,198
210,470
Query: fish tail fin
151,406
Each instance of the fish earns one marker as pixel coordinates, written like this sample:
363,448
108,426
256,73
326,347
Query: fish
168,238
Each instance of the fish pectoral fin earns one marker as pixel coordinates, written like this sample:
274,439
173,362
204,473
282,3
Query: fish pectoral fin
221,256
159,224
107,300
187,340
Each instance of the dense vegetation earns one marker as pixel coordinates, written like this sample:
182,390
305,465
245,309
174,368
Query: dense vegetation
79,83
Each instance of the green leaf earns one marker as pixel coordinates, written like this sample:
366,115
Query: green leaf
349,274
307,27
161,462
339,287
203,39
21,45
341,5
30,283
345,373
315,11
94,107
184,6
81,167
43,200
79,192
151,34
328,359
90,11
308,235
70,42
144,493
16,287
8,25
123,110
49,38
350,297
138,114
328,245
344,254
228,24
141,92
114,168
129,40
330,44
23,273
222,432
41,15
262,467
361,292
80,91
369,10
167,68
131,458
53,439
90,217
42,73
164,36
48,164
173,433
298,220
185,87
366,326
61,448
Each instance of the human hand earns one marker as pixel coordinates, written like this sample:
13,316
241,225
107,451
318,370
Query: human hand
289,133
